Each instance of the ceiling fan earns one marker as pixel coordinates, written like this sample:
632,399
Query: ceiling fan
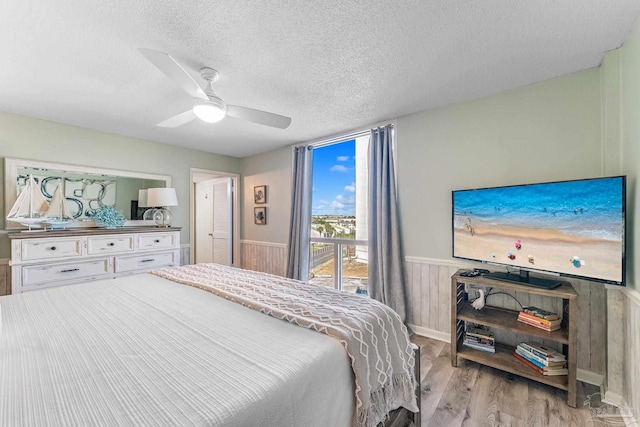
207,106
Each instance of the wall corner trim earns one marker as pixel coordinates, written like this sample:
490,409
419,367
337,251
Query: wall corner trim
446,262
255,242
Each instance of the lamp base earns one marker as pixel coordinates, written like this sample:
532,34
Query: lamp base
148,214
162,217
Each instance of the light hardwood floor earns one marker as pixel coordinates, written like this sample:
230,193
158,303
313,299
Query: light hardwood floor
476,395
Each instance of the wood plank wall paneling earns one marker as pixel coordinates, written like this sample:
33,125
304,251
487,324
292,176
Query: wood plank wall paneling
5,277
631,370
185,254
429,293
265,257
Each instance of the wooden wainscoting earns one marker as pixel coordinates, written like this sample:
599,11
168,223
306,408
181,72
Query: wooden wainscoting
429,312
631,351
5,277
264,256
185,254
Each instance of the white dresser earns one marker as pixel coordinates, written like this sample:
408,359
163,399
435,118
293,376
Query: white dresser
55,258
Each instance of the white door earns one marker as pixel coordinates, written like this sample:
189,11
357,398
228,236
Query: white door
222,221
214,221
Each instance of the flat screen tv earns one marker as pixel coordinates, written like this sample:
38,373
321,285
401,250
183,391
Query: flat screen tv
568,228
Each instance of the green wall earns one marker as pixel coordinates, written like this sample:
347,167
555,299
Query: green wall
34,139
621,134
541,132
272,169
545,131
630,145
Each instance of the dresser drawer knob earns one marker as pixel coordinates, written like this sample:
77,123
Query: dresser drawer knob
70,270
111,244
157,241
53,248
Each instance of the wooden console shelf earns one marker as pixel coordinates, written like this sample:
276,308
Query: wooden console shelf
499,318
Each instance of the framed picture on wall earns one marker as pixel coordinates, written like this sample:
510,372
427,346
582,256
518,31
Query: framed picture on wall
260,194
260,216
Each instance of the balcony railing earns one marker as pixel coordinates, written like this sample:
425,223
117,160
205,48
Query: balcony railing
339,263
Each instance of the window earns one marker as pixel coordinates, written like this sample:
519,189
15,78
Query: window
339,215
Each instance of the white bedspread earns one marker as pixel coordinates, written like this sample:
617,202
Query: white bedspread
145,351
372,334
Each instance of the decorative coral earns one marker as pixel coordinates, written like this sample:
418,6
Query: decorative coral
108,217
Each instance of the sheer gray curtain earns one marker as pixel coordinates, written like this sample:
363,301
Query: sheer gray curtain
386,278
300,228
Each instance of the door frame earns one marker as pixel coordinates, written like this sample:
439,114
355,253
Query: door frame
235,200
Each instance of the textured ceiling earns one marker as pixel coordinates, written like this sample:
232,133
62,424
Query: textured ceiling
331,66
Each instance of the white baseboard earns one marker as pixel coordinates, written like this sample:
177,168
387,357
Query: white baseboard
613,399
630,420
430,333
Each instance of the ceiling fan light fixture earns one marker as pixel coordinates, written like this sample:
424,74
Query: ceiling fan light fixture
210,111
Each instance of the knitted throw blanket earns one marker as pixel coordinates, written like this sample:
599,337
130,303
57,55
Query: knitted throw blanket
373,335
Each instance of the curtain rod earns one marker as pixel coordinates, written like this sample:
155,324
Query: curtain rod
337,137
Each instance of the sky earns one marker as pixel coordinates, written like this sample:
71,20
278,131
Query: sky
334,179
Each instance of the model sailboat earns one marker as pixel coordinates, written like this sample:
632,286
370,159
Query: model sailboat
30,207
58,212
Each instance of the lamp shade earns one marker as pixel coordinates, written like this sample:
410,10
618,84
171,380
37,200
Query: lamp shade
162,197
211,111
142,199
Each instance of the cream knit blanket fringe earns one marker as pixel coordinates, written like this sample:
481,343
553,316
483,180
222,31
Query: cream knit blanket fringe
373,335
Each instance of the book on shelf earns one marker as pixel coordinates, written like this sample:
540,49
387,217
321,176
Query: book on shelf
550,372
540,325
556,372
479,332
477,340
542,351
542,314
485,348
526,362
541,361
533,318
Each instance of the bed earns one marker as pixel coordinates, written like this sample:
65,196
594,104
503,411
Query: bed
152,350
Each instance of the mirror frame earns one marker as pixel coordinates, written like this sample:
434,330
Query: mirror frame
11,166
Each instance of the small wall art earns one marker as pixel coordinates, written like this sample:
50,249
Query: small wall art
260,194
260,215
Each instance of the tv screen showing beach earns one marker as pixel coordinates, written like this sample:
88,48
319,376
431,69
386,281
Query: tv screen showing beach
573,228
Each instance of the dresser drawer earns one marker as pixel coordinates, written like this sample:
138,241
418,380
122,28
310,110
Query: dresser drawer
50,249
146,262
109,244
158,241
43,274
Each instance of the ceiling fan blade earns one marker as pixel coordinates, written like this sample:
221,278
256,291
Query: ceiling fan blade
174,71
178,120
258,116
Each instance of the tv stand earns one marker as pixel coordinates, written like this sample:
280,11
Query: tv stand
506,321
524,279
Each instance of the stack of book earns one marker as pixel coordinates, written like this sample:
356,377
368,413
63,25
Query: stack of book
479,339
539,318
541,359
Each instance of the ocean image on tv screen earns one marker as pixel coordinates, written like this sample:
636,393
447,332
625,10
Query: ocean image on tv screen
571,227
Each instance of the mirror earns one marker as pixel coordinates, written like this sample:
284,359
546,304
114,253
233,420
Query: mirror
85,189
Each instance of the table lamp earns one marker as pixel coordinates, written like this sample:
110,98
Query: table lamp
162,198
